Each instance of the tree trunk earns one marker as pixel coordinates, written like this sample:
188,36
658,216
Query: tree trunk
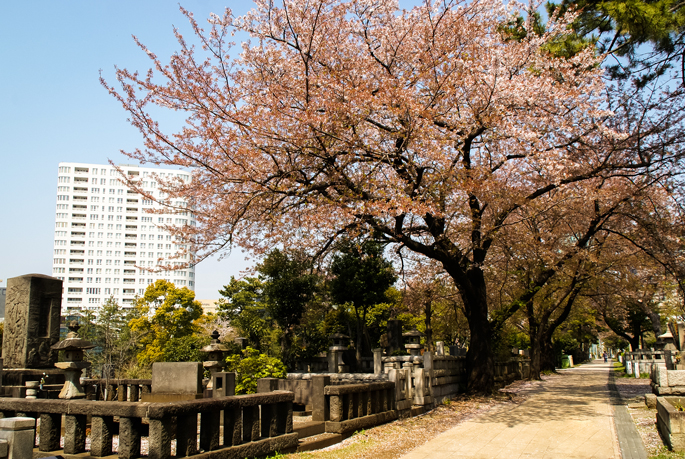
535,356
547,357
480,361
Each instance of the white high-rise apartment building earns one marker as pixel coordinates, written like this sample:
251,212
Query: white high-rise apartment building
104,238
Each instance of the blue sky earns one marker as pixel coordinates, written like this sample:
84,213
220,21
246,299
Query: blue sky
52,109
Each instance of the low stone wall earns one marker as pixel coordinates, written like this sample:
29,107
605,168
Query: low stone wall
671,422
253,425
511,370
448,377
667,382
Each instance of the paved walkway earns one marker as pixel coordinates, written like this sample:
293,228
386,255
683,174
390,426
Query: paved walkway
569,417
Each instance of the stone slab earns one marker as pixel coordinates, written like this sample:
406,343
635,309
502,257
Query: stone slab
32,319
177,378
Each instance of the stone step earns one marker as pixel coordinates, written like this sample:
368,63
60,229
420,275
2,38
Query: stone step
320,441
309,429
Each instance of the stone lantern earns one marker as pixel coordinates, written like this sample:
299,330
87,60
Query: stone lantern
412,342
73,363
215,356
335,363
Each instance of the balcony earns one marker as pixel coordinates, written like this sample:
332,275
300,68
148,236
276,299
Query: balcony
130,262
130,244
79,207
81,198
129,281
131,227
131,237
75,261
129,254
131,210
78,243
80,189
78,225
78,216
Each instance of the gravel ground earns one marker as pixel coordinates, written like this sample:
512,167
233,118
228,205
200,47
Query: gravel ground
394,439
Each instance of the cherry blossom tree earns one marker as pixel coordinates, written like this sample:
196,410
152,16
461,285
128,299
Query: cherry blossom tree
429,128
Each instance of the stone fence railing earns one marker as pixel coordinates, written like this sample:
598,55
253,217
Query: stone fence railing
644,360
510,371
122,390
253,425
358,406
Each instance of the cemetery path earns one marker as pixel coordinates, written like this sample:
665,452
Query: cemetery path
569,417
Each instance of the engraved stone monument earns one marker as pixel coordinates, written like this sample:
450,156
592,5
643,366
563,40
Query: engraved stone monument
32,319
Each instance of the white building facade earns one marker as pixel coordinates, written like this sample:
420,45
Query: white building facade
106,242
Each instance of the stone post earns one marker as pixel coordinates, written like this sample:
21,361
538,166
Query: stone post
19,434
210,426
377,361
223,384
320,406
440,348
332,361
428,360
265,385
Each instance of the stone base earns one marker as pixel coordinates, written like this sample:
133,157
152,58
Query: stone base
353,425
163,398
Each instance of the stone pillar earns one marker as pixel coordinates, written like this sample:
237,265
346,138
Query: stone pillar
50,432
223,384
320,407
19,434
160,438
265,385
232,426
428,360
32,316
101,432
186,435
74,433
269,416
377,361
440,348
332,361
250,423
210,422
129,438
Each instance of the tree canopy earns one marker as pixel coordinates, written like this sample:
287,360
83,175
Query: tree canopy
430,128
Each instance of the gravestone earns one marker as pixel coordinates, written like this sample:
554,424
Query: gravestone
394,336
174,381
32,320
32,315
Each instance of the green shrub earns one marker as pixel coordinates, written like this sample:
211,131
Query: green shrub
252,367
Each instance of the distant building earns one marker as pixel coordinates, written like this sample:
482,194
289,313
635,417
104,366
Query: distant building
104,238
209,306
